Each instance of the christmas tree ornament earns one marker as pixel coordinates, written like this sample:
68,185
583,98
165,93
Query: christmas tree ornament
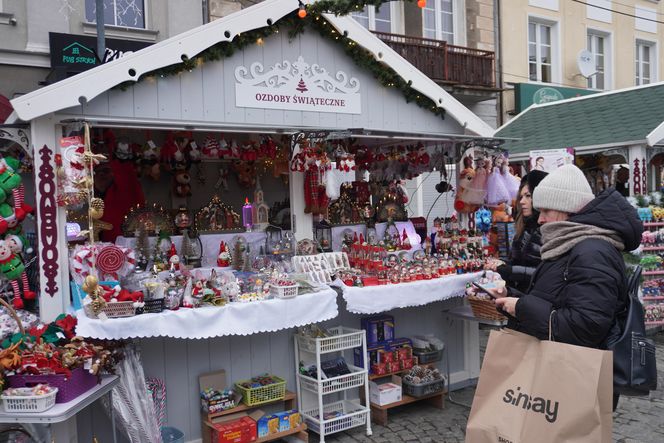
224,257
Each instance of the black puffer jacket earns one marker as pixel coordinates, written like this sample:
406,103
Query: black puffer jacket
524,257
587,285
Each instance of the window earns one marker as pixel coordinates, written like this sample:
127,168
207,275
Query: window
598,46
540,51
645,63
438,20
383,20
128,13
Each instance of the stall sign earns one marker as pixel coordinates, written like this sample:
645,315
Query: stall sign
527,94
548,160
78,53
296,86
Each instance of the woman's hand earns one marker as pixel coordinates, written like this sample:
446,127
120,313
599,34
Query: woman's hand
508,304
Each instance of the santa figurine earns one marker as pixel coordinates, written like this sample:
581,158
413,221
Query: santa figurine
173,258
224,257
405,241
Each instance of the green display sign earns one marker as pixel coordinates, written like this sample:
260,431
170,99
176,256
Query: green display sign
527,94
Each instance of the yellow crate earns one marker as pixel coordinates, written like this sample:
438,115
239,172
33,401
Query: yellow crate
264,394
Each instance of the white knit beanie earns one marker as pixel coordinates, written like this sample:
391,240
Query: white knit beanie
566,189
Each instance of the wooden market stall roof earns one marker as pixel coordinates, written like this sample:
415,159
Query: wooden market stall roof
85,86
600,121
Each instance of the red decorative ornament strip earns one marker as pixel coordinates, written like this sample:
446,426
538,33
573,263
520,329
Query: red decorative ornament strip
644,176
637,177
48,228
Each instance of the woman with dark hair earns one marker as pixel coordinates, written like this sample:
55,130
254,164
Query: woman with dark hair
525,252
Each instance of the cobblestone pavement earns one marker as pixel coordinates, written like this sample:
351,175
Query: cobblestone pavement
637,420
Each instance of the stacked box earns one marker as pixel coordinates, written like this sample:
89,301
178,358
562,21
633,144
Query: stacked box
380,328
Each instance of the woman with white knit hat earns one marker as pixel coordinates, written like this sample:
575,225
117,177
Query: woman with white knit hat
580,285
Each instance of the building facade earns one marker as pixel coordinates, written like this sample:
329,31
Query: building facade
568,46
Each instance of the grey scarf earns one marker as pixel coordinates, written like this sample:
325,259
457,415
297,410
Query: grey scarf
559,237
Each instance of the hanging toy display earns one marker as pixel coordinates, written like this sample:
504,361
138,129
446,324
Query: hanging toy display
13,269
483,220
461,201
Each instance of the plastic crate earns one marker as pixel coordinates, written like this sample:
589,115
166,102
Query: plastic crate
29,403
428,357
283,291
343,414
423,389
69,388
340,383
340,338
263,394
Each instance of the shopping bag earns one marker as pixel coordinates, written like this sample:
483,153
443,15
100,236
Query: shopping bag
541,391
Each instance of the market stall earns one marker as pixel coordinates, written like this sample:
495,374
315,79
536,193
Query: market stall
197,118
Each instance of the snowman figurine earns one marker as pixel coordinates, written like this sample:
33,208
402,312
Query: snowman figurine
12,268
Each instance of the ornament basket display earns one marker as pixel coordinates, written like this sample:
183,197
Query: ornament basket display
484,308
284,291
116,309
29,403
263,394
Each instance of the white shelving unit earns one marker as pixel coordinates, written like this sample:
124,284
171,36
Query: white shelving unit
342,414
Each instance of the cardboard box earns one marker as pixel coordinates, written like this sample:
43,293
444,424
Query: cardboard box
214,380
294,418
380,328
372,355
267,424
234,428
284,421
385,393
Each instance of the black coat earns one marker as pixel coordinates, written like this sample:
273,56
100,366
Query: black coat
524,257
586,286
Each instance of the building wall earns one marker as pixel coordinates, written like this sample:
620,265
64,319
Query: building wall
573,22
480,24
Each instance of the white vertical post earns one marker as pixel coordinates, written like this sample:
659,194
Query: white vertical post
637,152
51,221
302,224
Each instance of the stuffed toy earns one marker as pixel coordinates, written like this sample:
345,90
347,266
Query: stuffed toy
149,161
8,218
466,176
13,269
182,183
211,147
10,181
224,257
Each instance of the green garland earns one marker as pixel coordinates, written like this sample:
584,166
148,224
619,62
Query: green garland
385,75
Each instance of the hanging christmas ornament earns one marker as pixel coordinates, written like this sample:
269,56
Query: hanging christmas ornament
96,208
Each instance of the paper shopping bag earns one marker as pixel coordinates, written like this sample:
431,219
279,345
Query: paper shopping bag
541,391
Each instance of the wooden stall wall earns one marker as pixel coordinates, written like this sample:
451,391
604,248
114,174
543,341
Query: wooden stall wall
180,362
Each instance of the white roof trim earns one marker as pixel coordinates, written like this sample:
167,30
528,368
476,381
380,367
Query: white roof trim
656,135
91,83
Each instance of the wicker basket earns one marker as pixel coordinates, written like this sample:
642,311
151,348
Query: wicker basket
483,308
113,309
263,394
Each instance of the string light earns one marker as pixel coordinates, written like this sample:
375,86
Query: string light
421,3
302,12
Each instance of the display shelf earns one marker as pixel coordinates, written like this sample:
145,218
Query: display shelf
341,338
655,323
207,322
652,297
376,299
289,401
352,414
335,384
653,248
301,432
379,412
653,272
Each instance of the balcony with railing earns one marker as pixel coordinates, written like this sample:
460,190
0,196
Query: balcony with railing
445,63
